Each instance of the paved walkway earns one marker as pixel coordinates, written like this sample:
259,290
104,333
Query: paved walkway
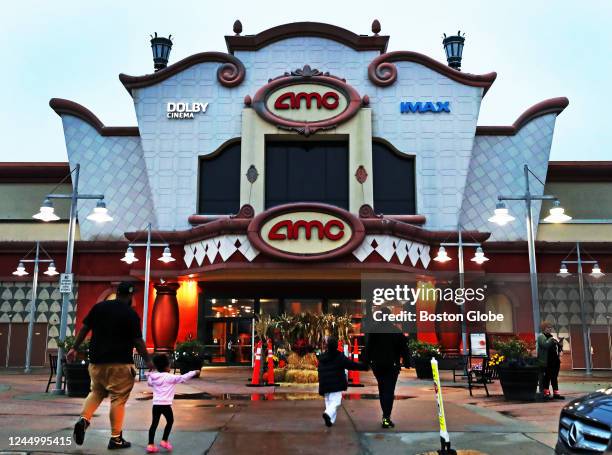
218,414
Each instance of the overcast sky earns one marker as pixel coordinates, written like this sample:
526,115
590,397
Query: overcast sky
76,49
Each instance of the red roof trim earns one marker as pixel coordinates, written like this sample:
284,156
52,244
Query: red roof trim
383,72
34,172
579,171
67,107
230,74
306,29
549,106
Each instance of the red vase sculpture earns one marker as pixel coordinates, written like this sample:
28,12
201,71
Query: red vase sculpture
165,317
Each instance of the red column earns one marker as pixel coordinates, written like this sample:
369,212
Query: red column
165,318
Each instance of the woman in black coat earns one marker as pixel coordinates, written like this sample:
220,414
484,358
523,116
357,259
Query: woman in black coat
332,378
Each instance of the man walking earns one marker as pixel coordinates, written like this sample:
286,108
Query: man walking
384,347
115,328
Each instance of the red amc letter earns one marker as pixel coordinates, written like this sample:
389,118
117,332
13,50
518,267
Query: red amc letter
307,225
308,97
335,100
328,230
285,101
274,233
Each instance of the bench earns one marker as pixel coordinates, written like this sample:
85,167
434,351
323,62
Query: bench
481,376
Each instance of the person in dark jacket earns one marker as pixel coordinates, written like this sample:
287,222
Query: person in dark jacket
332,378
551,372
386,351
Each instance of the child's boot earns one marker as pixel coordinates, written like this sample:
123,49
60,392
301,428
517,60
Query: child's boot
166,445
152,448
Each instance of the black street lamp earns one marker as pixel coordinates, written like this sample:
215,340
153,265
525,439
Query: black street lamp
161,51
453,46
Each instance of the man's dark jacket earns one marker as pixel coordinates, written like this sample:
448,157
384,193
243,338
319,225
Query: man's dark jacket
384,350
332,377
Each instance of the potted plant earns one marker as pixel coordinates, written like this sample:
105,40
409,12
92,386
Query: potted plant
76,373
421,353
518,370
189,356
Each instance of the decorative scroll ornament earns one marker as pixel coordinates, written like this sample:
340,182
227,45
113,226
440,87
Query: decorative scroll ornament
383,72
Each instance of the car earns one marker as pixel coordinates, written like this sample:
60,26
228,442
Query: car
585,425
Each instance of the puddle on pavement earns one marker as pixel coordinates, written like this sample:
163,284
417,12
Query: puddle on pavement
267,396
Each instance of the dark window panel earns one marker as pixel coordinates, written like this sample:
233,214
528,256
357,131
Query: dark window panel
394,185
313,172
220,182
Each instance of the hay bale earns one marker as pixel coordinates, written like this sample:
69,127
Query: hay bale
279,374
309,362
293,360
302,376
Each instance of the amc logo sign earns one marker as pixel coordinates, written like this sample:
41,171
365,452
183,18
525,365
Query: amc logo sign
306,100
306,232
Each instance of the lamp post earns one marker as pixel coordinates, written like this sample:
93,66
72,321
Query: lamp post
502,217
479,258
21,271
596,272
130,258
453,47
100,215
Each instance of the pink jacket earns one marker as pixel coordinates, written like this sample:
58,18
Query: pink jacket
164,384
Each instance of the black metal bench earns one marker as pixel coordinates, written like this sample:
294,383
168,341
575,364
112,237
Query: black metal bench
455,363
480,377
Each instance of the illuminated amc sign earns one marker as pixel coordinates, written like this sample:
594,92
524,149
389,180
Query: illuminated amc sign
308,231
180,110
306,100
409,107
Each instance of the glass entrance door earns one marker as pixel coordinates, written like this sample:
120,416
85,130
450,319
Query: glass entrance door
229,340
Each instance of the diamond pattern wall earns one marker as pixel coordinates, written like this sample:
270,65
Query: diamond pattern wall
560,304
497,168
113,166
223,246
15,306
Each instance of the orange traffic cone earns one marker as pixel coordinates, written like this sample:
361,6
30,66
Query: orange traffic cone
256,367
270,373
340,346
354,379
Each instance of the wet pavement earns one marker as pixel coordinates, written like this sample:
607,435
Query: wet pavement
218,414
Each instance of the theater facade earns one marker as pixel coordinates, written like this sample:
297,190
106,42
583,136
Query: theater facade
283,169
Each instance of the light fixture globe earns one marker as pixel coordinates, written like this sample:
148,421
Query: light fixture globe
21,271
100,213
563,272
501,215
479,257
47,212
129,256
557,214
596,272
442,256
51,270
166,256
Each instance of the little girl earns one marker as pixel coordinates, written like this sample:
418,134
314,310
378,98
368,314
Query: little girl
332,378
163,384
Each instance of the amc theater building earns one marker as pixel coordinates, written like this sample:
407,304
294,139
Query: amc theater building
282,169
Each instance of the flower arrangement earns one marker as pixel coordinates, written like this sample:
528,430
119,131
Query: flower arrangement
496,360
514,352
68,344
423,350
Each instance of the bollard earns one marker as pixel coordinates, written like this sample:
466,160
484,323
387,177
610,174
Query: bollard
444,437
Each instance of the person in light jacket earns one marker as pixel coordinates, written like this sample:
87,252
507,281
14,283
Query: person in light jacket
332,378
164,384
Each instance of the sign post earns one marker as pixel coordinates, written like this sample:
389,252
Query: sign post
444,437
